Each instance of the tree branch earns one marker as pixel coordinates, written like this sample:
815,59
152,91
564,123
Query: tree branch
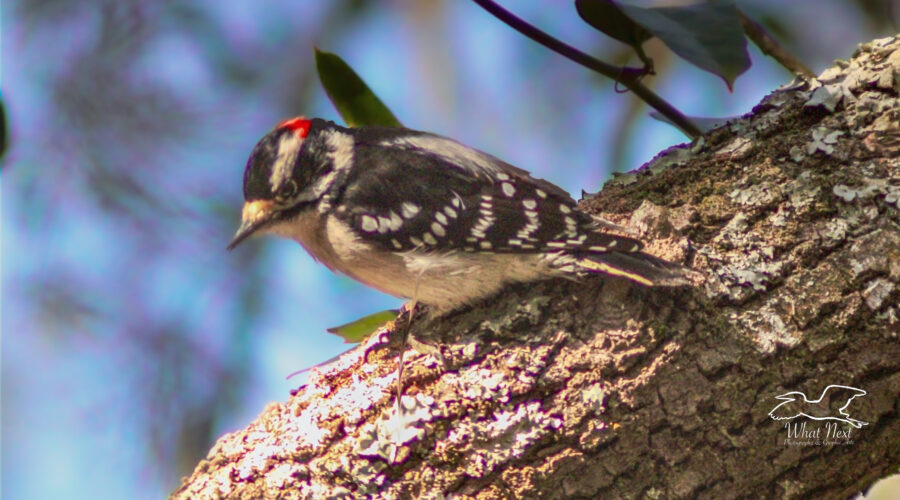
629,77
770,46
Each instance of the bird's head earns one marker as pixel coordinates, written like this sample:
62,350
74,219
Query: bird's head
278,181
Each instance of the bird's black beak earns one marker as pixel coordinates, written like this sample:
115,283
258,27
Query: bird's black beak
254,216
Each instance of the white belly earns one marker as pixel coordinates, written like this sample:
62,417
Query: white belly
444,281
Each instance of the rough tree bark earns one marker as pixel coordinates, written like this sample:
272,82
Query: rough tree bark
604,389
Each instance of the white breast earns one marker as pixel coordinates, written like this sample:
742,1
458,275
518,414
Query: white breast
444,280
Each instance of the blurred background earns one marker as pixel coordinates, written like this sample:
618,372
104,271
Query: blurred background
131,339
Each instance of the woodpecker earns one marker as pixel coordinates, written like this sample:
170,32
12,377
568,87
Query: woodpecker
417,215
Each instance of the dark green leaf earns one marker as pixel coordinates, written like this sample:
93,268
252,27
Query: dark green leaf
357,331
356,103
708,35
4,132
606,16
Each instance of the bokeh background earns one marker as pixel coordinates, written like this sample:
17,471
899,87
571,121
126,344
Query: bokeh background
130,338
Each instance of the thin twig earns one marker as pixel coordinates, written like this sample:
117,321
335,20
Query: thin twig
629,77
769,46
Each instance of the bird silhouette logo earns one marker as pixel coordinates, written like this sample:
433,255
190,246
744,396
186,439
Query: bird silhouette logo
831,405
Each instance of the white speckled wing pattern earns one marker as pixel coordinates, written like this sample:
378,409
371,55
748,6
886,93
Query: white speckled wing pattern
433,194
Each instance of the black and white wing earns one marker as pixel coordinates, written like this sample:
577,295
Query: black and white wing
444,195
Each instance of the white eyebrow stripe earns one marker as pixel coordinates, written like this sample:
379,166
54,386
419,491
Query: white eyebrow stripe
288,149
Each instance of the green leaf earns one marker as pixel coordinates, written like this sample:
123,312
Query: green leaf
353,99
606,16
4,131
707,35
357,331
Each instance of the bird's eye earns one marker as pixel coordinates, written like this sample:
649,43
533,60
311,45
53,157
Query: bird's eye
287,191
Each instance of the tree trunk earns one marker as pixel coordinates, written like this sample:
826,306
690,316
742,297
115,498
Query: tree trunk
607,389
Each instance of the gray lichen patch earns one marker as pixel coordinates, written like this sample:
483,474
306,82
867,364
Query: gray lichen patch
883,189
769,326
877,292
823,140
505,437
737,149
395,428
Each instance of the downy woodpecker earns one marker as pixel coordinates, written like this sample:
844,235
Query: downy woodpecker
421,216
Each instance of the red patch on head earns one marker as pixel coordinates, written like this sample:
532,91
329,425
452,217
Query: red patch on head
299,125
